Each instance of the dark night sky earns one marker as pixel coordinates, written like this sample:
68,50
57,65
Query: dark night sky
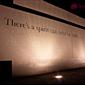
75,6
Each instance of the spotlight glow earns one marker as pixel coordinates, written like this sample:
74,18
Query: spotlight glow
58,76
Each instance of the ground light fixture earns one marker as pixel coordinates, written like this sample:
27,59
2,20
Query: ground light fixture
58,76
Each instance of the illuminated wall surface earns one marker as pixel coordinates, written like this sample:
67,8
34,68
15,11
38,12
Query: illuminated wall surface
36,44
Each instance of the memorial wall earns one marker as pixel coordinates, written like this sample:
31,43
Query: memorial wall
36,44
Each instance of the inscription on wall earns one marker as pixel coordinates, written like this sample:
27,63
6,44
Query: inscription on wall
12,22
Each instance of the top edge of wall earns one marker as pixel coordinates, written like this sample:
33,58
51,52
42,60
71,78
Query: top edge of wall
50,9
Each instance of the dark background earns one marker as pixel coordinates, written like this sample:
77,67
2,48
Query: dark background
68,5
